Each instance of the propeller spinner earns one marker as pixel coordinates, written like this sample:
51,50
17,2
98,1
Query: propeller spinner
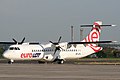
56,45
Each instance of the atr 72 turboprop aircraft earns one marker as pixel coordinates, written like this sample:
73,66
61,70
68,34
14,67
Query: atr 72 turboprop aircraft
56,51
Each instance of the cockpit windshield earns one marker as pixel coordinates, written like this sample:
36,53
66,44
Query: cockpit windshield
14,48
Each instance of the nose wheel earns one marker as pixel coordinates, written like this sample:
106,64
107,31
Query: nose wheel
10,61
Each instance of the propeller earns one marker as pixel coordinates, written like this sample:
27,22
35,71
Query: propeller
22,40
16,42
56,44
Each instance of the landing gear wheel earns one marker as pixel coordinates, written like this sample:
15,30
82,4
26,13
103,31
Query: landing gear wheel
61,61
41,62
10,62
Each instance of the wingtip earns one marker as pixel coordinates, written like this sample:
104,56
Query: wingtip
113,25
114,41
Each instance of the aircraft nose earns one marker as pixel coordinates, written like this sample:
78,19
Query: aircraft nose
5,55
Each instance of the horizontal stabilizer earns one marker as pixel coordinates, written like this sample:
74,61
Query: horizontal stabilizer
100,25
91,42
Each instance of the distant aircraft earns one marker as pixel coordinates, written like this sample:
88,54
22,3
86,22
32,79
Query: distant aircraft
56,51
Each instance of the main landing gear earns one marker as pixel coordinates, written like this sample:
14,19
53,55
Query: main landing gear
41,62
59,61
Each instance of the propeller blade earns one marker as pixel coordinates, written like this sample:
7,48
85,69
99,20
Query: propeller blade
55,51
57,47
56,43
51,42
59,39
23,40
14,40
61,48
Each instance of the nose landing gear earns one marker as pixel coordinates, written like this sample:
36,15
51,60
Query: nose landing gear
10,61
59,61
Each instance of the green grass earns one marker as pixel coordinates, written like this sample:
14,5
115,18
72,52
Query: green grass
99,59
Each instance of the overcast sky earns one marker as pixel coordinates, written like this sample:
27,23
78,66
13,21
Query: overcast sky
44,20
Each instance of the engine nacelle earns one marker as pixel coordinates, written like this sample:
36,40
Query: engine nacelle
64,45
48,57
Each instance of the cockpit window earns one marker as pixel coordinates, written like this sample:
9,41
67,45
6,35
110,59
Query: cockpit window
11,48
14,48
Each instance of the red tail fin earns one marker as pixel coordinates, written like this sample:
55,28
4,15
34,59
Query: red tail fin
94,36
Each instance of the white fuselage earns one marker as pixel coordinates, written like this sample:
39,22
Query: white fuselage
46,52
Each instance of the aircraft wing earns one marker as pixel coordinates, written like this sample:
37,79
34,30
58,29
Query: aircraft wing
91,42
7,43
17,43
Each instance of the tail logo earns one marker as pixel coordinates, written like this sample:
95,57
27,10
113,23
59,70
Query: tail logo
93,37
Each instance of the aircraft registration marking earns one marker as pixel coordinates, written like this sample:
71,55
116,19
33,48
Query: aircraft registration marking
78,53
